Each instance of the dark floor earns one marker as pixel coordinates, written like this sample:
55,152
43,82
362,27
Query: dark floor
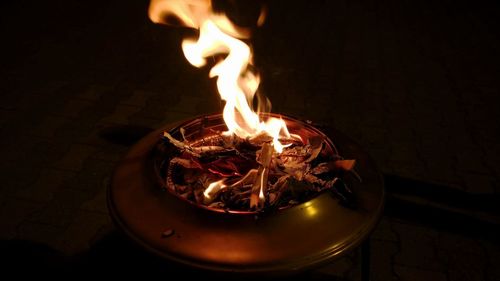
414,82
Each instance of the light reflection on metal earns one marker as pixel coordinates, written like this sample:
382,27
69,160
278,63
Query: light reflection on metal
310,209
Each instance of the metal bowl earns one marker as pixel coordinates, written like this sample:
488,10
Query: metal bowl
198,128
287,241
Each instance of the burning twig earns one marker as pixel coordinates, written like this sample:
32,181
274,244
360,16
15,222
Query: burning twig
257,198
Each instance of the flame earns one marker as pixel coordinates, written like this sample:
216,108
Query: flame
237,83
190,13
212,189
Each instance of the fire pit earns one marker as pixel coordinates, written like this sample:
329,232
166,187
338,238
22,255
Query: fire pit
291,239
265,196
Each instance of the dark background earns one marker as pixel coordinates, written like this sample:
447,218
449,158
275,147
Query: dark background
414,82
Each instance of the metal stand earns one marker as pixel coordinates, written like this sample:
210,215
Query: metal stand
365,260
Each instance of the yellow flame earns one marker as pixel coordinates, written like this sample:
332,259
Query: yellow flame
190,13
213,188
236,83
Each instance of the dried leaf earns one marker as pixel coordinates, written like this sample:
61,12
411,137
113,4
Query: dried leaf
316,145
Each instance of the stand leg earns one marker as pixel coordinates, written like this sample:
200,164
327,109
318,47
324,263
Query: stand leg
365,260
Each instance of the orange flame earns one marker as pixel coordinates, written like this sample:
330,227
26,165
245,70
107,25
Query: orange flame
236,83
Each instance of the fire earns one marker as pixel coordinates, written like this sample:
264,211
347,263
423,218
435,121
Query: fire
236,82
212,189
